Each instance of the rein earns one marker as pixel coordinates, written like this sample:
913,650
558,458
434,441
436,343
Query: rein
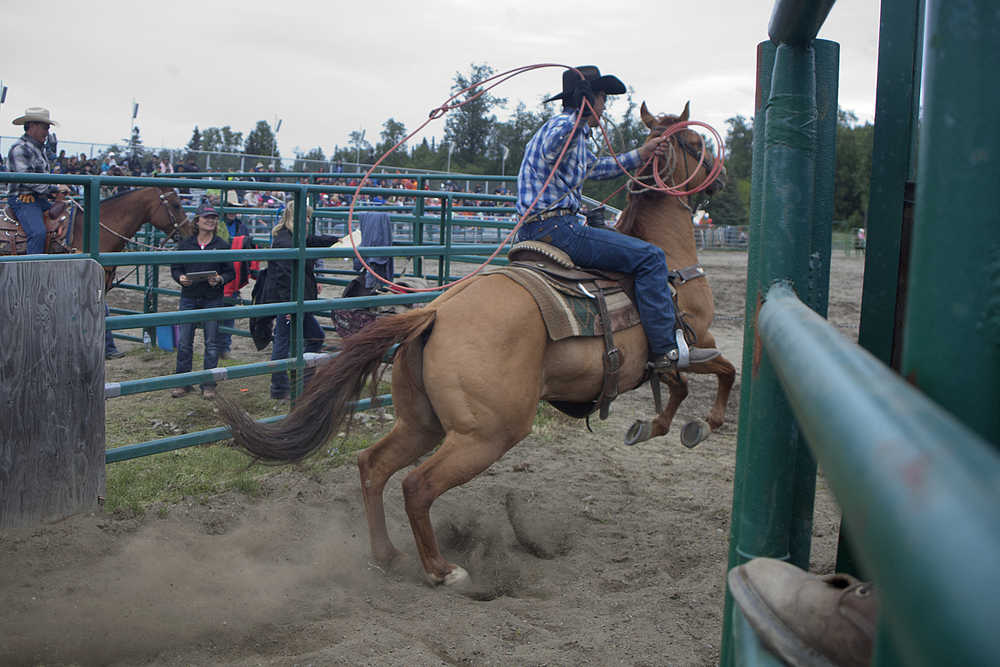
175,226
174,229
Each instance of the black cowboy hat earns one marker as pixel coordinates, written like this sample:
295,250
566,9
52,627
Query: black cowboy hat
608,83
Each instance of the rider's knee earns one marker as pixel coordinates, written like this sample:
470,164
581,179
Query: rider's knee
654,258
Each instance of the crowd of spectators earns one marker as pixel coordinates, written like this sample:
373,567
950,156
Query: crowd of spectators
112,164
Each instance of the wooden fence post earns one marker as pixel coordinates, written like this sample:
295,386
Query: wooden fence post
51,389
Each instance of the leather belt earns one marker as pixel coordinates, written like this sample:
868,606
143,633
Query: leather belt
545,215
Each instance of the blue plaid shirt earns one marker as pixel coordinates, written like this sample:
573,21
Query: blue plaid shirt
578,164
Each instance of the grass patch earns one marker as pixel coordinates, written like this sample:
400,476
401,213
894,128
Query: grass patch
134,486
550,424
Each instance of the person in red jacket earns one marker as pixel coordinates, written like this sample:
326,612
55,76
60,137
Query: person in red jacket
239,238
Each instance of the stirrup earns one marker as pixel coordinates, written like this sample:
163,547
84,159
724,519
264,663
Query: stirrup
683,353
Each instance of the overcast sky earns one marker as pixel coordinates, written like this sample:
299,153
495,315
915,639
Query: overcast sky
328,67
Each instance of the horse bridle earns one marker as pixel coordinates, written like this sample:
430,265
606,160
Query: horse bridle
175,226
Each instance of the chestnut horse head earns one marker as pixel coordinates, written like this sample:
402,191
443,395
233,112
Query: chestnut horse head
123,214
690,154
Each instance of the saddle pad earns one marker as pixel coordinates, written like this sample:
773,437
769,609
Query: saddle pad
566,316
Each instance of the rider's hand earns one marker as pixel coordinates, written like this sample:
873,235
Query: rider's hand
655,145
215,280
184,280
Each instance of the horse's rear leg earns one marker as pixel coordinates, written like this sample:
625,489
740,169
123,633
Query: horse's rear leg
416,432
460,458
376,465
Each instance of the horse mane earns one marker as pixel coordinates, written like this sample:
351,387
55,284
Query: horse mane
118,195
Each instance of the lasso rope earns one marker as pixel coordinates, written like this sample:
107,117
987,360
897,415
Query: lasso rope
497,79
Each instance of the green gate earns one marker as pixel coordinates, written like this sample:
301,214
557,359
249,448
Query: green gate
910,455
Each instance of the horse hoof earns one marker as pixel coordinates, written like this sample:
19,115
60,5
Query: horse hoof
694,432
638,432
456,577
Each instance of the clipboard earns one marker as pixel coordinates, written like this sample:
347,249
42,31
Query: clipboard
200,276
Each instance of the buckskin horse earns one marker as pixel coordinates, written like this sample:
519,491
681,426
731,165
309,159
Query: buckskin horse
471,367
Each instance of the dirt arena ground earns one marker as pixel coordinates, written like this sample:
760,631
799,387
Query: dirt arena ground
582,551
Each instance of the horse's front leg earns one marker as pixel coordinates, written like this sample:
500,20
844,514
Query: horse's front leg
677,387
641,431
726,373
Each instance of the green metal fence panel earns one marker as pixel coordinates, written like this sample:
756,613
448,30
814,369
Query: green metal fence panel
787,208
951,346
299,253
896,96
817,290
922,488
754,292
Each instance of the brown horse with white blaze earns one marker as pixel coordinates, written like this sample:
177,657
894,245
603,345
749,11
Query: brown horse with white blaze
470,370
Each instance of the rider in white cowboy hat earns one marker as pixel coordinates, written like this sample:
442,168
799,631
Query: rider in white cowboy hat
30,200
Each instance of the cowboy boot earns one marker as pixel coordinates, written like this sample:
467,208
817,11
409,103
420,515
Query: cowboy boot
806,619
668,362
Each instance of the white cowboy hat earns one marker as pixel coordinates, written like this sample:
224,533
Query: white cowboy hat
35,115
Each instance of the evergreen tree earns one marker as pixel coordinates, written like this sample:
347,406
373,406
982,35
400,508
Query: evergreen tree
194,144
739,147
514,134
853,171
360,148
392,132
470,126
423,155
311,161
261,142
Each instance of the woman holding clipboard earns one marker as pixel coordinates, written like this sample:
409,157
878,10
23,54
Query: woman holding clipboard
201,287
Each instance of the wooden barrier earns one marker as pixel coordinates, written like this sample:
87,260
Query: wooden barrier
51,389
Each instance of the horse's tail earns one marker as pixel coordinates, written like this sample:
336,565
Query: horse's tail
327,400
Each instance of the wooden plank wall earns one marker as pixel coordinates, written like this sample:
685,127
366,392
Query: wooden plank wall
51,390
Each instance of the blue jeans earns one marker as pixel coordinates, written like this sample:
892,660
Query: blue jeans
225,341
611,251
185,346
32,221
109,340
313,335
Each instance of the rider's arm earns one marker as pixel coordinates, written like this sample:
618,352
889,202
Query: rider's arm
606,167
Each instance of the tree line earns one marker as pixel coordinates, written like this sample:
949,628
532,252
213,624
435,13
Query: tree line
477,142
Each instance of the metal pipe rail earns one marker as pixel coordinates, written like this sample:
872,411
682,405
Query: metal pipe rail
797,21
919,489
210,435
146,320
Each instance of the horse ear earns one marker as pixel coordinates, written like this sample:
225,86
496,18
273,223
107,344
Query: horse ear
686,113
648,119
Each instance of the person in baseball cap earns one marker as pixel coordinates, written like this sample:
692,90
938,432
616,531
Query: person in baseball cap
201,287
